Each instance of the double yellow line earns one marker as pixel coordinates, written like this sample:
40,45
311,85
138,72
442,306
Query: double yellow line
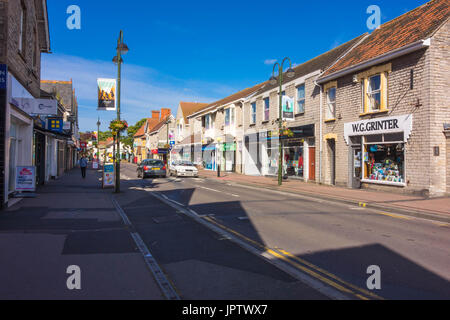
305,266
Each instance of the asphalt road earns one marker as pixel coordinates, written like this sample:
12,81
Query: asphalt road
330,242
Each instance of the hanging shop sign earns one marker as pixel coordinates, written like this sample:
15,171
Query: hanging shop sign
3,76
36,106
106,94
26,179
108,175
288,108
55,124
68,125
379,126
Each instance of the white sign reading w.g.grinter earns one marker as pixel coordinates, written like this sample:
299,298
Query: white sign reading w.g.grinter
37,106
379,126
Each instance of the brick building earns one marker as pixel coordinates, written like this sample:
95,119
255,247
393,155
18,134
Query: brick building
386,107
24,35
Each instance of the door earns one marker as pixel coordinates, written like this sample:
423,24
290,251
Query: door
312,163
332,159
356,167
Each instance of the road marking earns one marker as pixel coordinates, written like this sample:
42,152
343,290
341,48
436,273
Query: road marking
392,215
162,280
312,271
230,194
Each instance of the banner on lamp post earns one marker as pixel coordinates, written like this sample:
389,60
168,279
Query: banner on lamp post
288,108
106,94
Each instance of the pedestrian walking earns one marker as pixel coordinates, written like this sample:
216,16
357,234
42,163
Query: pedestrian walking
83,166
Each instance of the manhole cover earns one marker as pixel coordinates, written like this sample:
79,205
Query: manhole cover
166,219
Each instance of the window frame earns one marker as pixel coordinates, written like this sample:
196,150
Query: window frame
329,102
253,113
298,99
370,92
266,109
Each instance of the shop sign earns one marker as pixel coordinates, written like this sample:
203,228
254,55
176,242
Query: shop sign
228,147
31,106
95,164
68,125
55,124
288,108
26,179
379,126
3,76
108,175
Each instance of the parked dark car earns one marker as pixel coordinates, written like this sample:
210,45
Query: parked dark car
151,168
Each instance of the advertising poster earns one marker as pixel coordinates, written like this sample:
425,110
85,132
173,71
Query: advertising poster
288,108
108,175
95,164
26,179
106,94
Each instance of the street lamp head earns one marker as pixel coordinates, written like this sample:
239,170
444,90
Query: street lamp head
273,80
290,73
123,48
115,60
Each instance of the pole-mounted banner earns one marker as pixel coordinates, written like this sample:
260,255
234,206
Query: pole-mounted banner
107,94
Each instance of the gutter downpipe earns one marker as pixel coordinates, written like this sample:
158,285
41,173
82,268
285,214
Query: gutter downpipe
320,131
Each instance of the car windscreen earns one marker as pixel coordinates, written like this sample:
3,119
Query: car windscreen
183,163
152,163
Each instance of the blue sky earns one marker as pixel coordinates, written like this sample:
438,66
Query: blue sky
193,50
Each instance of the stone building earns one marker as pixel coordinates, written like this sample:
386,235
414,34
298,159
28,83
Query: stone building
24,35
387,107
301,152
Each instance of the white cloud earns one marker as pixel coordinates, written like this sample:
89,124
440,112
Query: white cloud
143,89
270,61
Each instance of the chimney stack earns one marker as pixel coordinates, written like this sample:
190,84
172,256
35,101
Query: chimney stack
155,115
165,113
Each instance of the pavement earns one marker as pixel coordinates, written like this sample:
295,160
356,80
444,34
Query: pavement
72,221
404,203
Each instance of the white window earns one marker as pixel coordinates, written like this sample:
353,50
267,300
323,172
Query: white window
208,122
229,117
301,99
374,93
331,104
266,109
253,113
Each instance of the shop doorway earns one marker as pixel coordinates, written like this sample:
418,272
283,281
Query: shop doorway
356,167
312,164
332,152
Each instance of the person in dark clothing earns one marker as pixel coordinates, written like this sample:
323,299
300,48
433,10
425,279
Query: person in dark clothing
83,166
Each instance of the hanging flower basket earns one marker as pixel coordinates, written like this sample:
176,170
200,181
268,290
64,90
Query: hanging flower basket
287,133
117,126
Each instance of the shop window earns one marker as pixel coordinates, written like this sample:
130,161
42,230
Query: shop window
394,137
385,163
374,138
266,109
293,161
331,104
301,99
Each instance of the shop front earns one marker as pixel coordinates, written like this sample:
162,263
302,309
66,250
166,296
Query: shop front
228,156
377,150
209,156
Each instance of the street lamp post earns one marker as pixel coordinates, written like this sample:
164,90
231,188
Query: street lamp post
168,141
98,140
273,80
121,50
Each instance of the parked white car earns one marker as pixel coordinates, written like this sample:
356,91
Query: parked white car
183,169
